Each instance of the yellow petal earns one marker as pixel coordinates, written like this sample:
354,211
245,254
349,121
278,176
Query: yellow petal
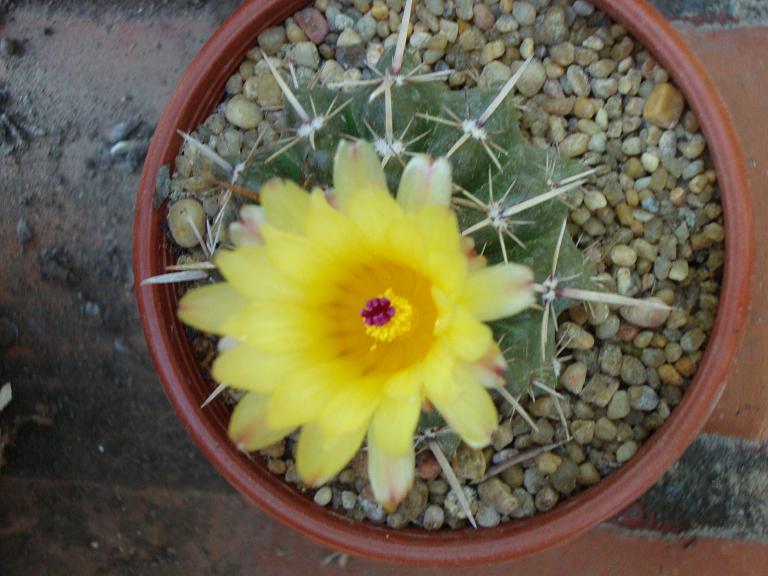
209,307
466,406
406,383
334,233
498,291
320,458
285,204
250,368
276,327
394,423
425,181
251,273
440,228
390,474
469,338
350,406
374,214
300,398
300,259
248,427
357,170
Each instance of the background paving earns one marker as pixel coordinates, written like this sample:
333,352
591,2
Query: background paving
99,476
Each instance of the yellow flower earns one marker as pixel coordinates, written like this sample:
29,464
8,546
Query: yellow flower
347,317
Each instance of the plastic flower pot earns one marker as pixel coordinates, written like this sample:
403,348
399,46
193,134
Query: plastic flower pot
201,89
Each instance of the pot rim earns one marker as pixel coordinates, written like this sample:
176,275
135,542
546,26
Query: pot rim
201,88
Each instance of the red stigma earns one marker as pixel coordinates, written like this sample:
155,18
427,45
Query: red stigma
377,312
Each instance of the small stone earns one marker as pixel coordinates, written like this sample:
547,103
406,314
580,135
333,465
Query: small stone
305,54
532,80
573,377
553,26
664,106
427,466
602,68
366,27
610,359
492,51
633,371
415,501
588,474
669,375
622,255
533,479
348,499
605,430
643,398
452,505
271,40
502,436
506,23
564,478
650,162
548,462
576,337
525,506
546,499
323,496
331,72
619,405
464,9
242,112
574,145
468,463
433,518
496,72
267,90
450,29
679,270
513,476
644,316
545,433
584,107
483,17
312,23
626,451
524,13
693,340
631,146
496,493
599,390
182,216
578,80
583,8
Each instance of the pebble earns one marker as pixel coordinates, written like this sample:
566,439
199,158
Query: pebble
588,474
693,340
574,377
578,80
633,371
553,26
498,495
622,255
619,406
644,316
468,463
268,91
433,518
323,496
546,499
313,24
626,451
305,54
525,506
483,17
492,51
664,106
487,516
464,9
548,462
643,398
599,390
271,40
565,477
182,215
532,80
242,112
574,145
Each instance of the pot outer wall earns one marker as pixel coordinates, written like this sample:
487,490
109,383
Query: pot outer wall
202,88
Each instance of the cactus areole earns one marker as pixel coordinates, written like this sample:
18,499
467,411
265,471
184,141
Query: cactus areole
507,182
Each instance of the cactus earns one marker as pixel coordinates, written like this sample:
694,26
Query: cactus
499,172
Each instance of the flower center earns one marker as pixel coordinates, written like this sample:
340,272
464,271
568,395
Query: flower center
387,317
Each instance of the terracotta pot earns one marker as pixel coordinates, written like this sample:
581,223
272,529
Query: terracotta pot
202,87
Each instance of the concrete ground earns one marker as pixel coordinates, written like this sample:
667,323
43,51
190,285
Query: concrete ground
98,476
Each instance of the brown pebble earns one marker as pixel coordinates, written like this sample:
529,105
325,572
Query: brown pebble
669,375
627,332
312,23
427,467
664,106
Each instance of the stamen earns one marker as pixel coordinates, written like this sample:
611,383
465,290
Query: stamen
377,311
